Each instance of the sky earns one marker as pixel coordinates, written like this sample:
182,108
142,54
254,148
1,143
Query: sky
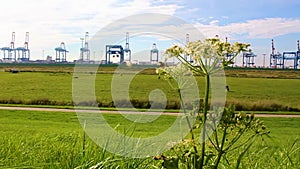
50,22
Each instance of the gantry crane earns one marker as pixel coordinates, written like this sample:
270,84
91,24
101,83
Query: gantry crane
9,53
276,59
187,57
248,59
127,51
61,53
293,56
23,53
84,50
154,54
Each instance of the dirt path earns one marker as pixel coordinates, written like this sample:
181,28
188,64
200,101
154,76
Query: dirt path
124,112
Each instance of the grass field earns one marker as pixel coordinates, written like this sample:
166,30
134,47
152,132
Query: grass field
32,139
52,88
264,92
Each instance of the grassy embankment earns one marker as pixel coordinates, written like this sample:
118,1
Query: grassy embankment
32,139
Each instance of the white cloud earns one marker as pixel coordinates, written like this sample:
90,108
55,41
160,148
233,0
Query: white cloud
214,22
259,28
264,29
52,21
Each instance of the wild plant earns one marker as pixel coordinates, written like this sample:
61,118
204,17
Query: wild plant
223,131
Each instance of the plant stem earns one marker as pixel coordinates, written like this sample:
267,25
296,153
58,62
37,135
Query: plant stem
205,110
187,119
220,153
83,142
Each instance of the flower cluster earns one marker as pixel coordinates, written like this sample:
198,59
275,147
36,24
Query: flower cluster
208,54
174,51
179,73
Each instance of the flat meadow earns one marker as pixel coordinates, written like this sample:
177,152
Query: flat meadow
55,88
42,139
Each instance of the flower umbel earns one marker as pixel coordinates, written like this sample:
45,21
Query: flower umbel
209,55
180,72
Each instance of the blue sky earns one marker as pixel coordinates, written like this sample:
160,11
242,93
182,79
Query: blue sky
242,10
53,21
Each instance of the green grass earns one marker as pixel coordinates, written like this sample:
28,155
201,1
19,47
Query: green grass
283,130
36,88
30,87
33,139
261,91
281,150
